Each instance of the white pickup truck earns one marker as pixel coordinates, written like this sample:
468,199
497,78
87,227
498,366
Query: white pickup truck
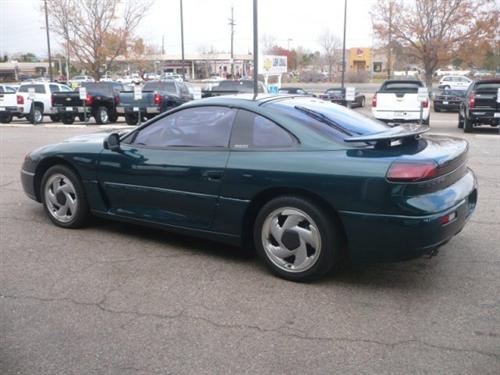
8,104
397,101
35,105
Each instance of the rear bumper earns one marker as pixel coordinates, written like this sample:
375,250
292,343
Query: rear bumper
72,110
379,237
485,116
400,116
131,110
450,105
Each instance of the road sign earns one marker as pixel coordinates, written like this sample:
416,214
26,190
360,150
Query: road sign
137,93
83,93
423,94
31,93
350,94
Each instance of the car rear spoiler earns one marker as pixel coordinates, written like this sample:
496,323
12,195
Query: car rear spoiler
396,133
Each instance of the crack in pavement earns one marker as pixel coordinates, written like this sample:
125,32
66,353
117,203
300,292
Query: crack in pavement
279,330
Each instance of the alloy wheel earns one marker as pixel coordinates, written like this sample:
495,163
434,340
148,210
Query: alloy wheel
291,239
61,198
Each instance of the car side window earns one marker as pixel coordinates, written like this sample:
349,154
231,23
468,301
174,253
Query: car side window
208,126
1,89
54,88
254,131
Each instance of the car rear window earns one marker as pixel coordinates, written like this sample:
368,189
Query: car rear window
487,86
160,86
239,86
453,92
39,89
396,87
338,123
99,88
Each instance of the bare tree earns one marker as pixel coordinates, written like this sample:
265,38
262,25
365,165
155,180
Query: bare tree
432,30
96,32
330,43
268,42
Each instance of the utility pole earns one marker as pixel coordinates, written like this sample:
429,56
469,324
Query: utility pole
182,42
255,51
232,23
48,39
343,44
67,61
389,47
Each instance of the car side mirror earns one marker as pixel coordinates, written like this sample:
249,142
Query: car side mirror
112,142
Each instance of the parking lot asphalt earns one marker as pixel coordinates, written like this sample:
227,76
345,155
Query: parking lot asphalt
120,299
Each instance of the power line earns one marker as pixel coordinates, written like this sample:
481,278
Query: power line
232,24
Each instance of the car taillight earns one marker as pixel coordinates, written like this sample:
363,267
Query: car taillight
406,171
90,100
20,99
425,104
374,100
157,99
472,100
117,99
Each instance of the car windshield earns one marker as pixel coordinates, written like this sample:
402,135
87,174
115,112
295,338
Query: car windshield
330,120
161,86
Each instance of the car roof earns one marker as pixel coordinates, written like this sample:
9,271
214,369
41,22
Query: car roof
488,80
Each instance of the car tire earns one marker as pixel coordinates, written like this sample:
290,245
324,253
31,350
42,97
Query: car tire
68,120
101,115
81,117
113,117
64,198
5,119
362,105
55,118
36,116
131,119
437,109
468,125
306,231
460,121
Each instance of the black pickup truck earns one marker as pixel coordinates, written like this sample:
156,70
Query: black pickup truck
101,102
156,97
229,87
480,106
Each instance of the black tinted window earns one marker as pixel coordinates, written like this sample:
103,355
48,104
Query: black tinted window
161,86
332,121
99,88
395,87
488,86
191,127
39,89
54,88
254,131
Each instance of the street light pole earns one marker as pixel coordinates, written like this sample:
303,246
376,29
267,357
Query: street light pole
232,23
182,41
48,40
255,51
343,44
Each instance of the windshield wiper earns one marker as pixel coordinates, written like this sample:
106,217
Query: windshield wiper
322,118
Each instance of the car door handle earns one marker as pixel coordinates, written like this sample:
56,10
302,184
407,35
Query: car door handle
213,175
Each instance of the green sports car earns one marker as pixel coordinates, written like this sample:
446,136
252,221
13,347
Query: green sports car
304,181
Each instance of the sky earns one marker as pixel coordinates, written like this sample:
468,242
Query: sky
206,24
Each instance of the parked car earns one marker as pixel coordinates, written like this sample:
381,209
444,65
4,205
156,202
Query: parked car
171,76
294,90
228,87
8,104
397,101
131,79
41,104
236,170
151,76
337,96
157,97
480,106
101,102
454,83
76,81
448,100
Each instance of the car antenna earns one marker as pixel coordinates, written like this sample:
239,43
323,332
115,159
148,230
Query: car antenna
255,52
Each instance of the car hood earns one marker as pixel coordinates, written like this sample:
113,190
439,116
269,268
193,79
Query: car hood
94,137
